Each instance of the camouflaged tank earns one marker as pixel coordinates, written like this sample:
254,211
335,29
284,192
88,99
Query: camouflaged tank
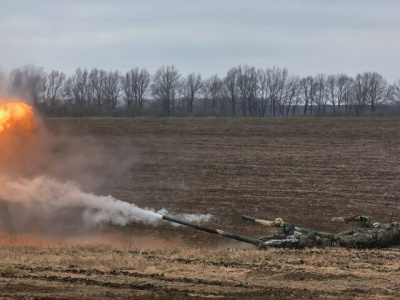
368,234
288,236
291,236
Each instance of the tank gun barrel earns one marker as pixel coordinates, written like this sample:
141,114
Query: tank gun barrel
361,220
278,222
244,217
215,231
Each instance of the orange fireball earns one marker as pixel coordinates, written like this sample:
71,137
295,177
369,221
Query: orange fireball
18,115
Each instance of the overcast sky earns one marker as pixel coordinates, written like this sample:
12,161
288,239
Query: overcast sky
306,36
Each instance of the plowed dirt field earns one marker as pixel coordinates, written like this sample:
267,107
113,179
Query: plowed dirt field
305,171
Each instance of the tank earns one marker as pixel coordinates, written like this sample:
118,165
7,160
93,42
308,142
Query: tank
366,233
293,237
304,237
283,241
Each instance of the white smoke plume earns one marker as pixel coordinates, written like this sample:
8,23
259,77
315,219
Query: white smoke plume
51,196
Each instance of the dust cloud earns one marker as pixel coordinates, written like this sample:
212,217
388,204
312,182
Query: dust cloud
48,183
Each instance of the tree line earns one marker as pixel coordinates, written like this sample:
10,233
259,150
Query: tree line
244,91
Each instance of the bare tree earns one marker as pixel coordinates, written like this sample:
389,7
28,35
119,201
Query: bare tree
78,86
308,90
213,92
395,95
276,79
230,88
253,88
378,91
206,96
97,80
247,82
320,94
191,87
343,88
263,92
291,95
180,98
136,87
164,88
112,90
332,91
53,89
360,93
297,100
243,83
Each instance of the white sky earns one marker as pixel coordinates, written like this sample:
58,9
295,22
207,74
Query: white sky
207,36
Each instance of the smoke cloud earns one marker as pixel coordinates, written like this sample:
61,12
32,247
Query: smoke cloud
52,196
48,197
48,183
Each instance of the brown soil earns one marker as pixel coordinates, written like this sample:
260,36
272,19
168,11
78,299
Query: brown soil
305,171
48,270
